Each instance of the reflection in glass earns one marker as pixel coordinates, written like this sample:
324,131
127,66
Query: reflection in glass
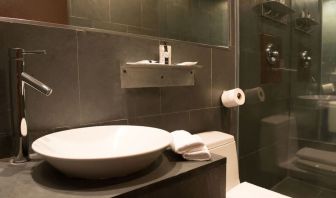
201,21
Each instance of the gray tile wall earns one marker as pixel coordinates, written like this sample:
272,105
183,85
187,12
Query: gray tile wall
311,124
83,69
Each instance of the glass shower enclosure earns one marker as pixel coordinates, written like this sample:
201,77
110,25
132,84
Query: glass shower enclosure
287,138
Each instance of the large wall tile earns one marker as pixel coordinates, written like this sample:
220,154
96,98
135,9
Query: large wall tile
263,167
223,73
5,122
6,145
207,120
169,122
131,17
102,98
98,10
150,14
57,69
142,102
193,97
296,188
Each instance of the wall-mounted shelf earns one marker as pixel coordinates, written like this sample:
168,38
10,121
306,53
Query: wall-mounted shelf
305,24
276,11
157,75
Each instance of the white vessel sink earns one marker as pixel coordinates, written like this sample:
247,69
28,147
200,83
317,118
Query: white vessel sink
103,151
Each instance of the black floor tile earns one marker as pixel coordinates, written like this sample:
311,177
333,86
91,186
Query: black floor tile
297,188
327,194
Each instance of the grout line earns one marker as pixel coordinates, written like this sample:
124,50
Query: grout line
236,33
326,189
116,120
279,183
104,122
211,78
310,140
70,7
4,135
189,125
258,150
176,112
161,114
90,29
304,182
78,78
110,17
160,100
161,89
141,14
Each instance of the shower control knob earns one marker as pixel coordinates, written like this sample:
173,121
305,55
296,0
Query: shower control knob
272,54
306,59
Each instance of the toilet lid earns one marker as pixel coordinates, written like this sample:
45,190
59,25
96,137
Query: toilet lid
213,139
247,190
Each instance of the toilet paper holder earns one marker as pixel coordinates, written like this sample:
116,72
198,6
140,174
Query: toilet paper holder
233,98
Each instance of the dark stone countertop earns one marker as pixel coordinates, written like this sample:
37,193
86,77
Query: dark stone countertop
37,179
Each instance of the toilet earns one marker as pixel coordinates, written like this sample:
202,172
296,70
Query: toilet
224,144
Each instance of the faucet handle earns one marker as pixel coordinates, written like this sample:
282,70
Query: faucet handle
18,53
30,52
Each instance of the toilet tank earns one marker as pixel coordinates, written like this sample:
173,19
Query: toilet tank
224,144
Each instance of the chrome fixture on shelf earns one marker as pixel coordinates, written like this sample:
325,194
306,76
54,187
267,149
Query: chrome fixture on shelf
19,78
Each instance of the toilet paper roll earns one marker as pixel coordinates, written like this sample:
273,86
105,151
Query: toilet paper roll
233,98
328,88
254,95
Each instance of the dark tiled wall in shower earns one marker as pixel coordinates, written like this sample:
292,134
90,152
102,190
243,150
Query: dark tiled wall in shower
270,130
308,116
311,127
328,66
192,20
263,126
83,68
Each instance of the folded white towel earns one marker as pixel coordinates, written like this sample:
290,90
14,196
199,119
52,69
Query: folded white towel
187,63
183,141
142,62
198,155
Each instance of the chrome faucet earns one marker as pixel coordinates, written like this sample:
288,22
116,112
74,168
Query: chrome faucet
19,78
312,86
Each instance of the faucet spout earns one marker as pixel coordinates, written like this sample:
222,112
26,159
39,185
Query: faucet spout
29,52
36,84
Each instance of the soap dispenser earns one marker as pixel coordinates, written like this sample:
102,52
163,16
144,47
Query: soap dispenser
165,54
